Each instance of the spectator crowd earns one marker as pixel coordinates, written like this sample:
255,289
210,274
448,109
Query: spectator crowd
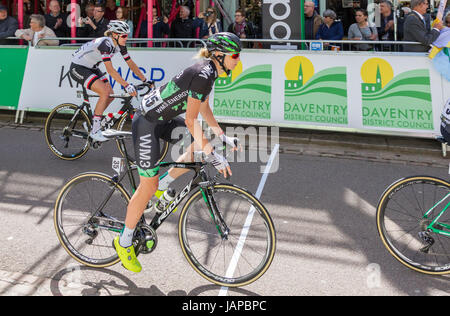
413,24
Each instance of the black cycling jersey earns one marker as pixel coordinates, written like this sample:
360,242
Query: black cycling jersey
161,106
170,100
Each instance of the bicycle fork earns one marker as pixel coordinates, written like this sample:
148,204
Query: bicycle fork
216,215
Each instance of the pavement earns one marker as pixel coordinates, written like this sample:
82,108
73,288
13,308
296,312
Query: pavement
393,149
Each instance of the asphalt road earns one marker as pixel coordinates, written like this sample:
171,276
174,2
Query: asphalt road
323,209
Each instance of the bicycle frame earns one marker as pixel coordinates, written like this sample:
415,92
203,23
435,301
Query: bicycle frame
431,226
200,179
126,107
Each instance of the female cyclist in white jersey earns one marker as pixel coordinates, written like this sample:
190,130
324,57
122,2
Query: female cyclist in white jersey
84,69
188,92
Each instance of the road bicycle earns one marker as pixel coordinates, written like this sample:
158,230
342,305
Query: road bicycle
68,125
413,221
225,232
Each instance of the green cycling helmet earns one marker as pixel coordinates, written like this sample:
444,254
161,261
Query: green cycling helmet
224,42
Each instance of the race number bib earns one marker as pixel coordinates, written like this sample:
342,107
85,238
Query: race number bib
151,101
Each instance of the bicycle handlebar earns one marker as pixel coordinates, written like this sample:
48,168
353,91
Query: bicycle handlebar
138,88
124,95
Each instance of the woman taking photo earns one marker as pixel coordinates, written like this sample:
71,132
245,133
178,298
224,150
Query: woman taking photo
212,24
362,30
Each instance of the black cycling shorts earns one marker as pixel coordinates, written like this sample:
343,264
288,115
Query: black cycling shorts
146,135
86,76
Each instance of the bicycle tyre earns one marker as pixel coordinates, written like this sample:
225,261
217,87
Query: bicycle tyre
59,137
395,235
191,211
124,124
76,200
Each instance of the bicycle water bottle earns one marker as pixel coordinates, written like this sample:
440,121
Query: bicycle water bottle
164,201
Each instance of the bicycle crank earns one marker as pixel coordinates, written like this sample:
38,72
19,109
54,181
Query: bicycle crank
96,145
147,239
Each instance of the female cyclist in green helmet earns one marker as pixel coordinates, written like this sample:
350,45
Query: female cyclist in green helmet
188,92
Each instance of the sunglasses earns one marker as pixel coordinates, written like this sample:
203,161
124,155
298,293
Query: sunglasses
123,35
233,56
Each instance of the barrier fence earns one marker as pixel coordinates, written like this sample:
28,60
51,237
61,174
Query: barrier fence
315,45
370,92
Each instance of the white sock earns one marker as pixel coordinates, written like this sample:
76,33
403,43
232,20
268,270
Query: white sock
165,182
96,123
126,237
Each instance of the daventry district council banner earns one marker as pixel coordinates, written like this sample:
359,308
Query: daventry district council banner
345,90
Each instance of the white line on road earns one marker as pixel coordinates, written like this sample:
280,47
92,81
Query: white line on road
237,252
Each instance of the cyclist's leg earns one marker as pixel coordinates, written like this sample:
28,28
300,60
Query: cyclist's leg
103,89
147,155
175,131
147,187
146,148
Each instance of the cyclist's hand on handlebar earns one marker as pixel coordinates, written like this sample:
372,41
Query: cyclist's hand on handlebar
234,142
220,163
149,83
131,90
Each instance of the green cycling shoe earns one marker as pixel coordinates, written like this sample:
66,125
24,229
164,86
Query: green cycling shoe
127,257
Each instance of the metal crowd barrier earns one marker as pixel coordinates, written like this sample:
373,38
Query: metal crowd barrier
320,45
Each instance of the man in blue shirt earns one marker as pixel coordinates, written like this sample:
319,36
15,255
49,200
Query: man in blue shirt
8,26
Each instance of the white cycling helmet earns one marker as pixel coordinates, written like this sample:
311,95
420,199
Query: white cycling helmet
119,27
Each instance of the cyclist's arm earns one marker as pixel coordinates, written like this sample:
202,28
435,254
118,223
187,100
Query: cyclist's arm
207,114
135,69
192,111
114,74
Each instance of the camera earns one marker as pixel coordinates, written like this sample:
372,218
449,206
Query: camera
207,14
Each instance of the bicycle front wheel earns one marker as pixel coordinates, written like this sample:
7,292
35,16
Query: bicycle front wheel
89,212
248,250
66,131
404,214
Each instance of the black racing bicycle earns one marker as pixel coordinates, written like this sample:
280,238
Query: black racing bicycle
68,125
225,232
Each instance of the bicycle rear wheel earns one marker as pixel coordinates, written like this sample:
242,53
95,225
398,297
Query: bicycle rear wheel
124,124
246,253
89,212
66,131
402,224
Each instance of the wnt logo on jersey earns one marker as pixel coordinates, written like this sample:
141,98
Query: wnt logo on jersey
206,72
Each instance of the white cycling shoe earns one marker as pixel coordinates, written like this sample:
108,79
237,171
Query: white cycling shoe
98,136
